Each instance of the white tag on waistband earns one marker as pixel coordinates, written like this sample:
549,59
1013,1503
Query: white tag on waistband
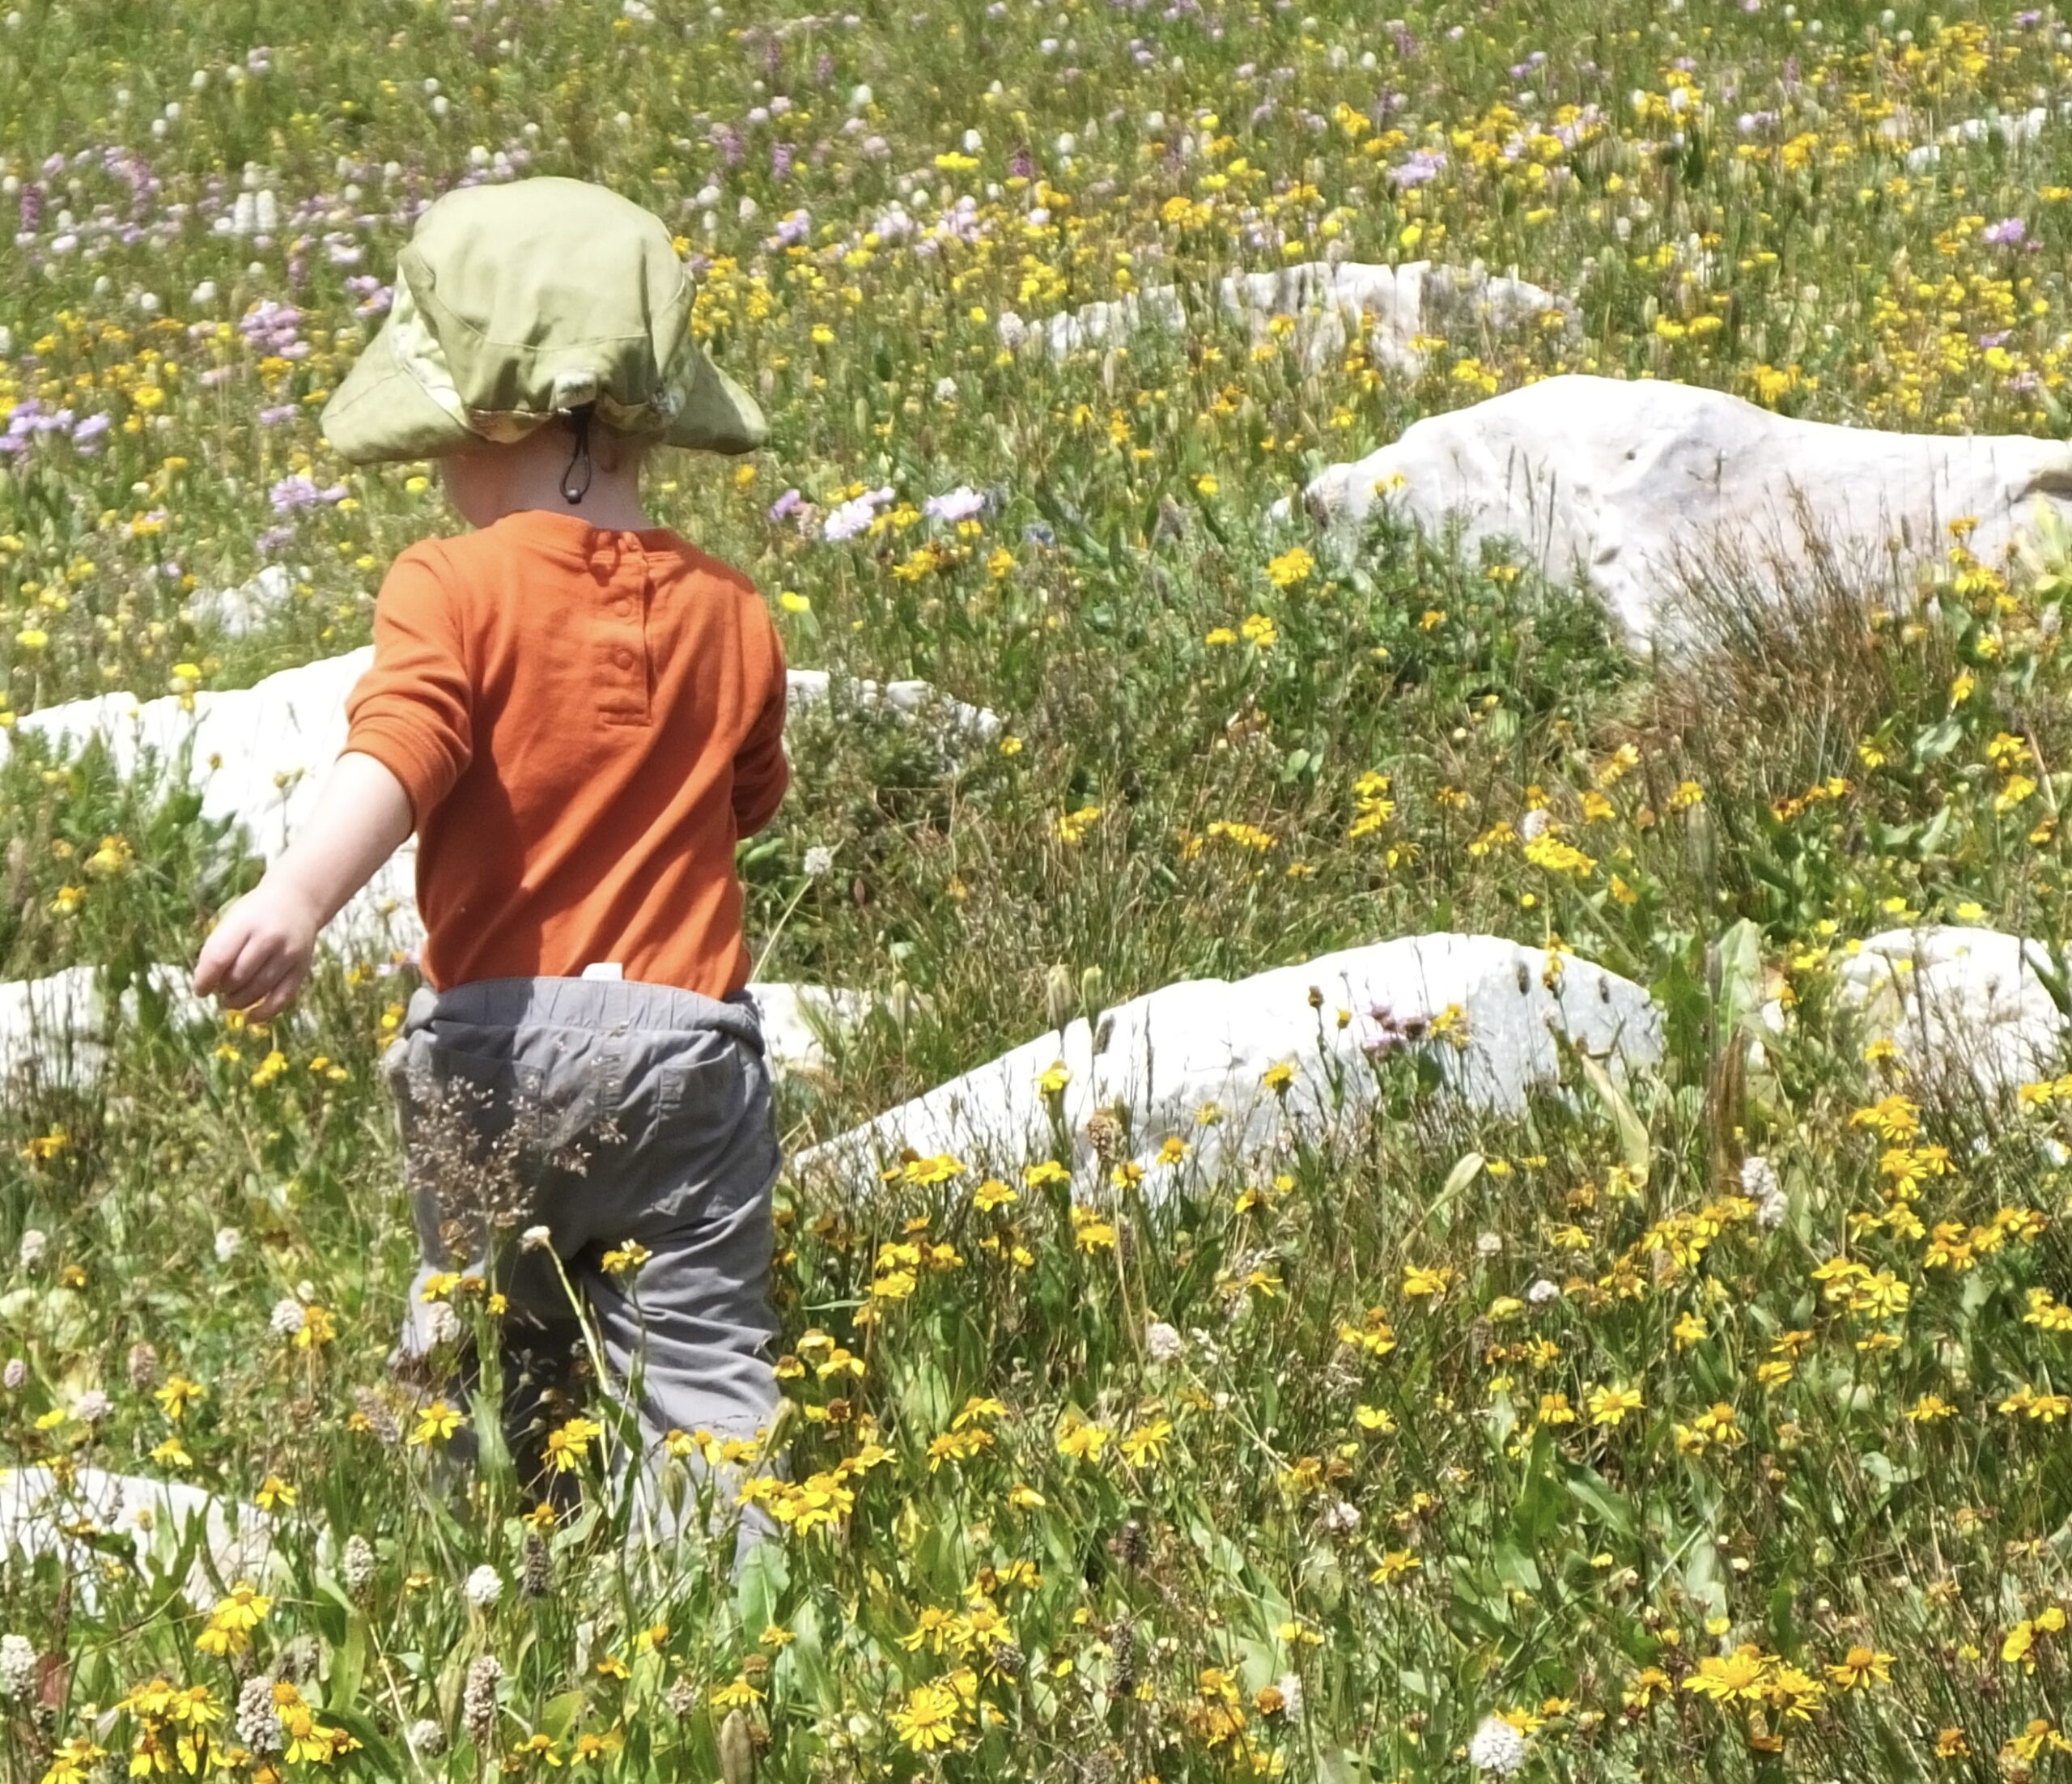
603,969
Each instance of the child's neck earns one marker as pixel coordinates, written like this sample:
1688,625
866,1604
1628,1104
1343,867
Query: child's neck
612,504
607,516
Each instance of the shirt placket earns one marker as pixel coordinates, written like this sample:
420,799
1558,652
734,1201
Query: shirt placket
620,568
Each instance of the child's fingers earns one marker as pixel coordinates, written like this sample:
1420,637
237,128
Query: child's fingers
253,966
268,998
218,954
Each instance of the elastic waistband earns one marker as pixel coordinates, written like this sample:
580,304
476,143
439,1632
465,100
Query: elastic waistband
584,1003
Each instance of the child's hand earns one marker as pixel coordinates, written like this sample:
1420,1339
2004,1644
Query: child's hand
258,955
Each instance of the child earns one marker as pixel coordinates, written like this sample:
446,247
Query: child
578,713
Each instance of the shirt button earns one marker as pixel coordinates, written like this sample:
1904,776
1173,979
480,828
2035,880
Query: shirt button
624,658
620,607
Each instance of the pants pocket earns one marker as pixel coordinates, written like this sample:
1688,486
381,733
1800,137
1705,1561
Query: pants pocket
495,1100
702,1084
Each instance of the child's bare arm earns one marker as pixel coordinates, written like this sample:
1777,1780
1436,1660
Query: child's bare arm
259,952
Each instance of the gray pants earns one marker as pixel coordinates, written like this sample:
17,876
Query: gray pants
609,1113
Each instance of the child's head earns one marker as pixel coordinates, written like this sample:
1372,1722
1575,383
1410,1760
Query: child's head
536,323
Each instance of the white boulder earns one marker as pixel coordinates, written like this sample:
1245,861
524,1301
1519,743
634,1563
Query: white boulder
249,606
1095,325
1497,1017
41,1514
807,689
57,1029
795,1017
1955,1002
259,756
1331,302
1390,306
1640,485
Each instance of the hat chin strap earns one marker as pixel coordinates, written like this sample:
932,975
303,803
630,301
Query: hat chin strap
571,491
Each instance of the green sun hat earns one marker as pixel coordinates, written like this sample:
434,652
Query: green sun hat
516,303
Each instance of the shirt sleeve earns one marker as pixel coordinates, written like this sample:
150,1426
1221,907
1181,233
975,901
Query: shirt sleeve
413,709
761,772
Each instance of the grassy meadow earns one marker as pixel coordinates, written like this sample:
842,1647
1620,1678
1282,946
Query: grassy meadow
1719,1434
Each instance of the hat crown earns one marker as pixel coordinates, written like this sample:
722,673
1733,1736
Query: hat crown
545,293
514,302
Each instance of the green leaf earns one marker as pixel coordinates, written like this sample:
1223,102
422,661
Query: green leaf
1515,1567
559,1714
348,1666
1938,740
1740,979
760,1590
1633,1135
1591,1490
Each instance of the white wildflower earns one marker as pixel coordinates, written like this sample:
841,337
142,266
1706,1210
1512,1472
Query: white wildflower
1289,1685
229,1242
1542,1292
1496,1747
356,1564
536,1238
1487,1245
961,503
286,1319
1340,1517
1162,1343
484,1587
442,1325
17,1666
854,516
1758,1182
1533,824
819,862
35,1243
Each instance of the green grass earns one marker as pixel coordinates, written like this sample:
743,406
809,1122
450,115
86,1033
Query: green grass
1407,1527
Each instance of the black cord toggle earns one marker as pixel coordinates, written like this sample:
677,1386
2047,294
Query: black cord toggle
571,492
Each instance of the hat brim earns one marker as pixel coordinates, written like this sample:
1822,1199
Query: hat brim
718,415
381,414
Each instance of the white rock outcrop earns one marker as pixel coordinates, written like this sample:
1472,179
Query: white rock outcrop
808,689
250,606
1330,303
795,1018
1497,1017
1639,484
1097,323
40,1514
1957,1004
260,754
58,1030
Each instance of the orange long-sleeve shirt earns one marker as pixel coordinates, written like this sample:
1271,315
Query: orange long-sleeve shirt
585,722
